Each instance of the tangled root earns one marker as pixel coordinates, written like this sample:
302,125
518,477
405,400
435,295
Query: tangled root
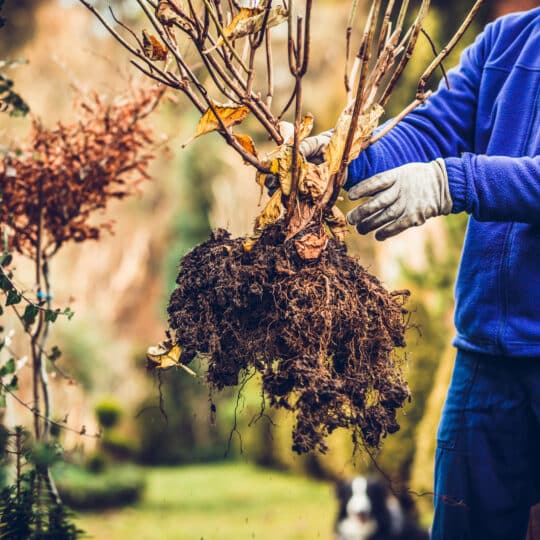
321,334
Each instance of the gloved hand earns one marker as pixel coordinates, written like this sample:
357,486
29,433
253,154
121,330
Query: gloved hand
401,198
312,148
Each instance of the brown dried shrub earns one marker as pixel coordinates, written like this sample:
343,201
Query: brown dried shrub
51,186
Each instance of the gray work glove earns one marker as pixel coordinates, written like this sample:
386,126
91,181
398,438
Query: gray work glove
312,148
401,198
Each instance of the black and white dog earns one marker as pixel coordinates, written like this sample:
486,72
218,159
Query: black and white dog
369,511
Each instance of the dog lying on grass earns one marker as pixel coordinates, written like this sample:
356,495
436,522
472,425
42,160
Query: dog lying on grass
369,511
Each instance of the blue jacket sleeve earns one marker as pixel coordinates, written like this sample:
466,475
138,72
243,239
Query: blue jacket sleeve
491,188
496,188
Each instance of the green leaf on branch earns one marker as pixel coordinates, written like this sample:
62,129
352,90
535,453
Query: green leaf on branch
13,384
10,101
5,284
68,313
51,316
14,297
6,259
30,314
55,354
8,368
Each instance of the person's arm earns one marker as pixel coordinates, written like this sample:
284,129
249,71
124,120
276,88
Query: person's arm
443,127
496,188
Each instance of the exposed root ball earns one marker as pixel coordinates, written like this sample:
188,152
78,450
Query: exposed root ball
321,334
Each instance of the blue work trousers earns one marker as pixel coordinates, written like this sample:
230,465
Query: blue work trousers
487,466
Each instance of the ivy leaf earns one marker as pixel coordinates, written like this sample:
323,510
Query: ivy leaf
13,298
30,314
55,354
51,316
5,284
6,259
68,313
13,384
8,368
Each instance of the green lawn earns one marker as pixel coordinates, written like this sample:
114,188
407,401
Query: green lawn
220,502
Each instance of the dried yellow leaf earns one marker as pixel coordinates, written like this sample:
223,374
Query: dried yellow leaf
315,181
250,21
166,355
366,124
270,213
336,221
246,142
280,163
169,12
153,49
230,115
306,128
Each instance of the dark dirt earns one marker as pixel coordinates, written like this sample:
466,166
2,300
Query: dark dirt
322,334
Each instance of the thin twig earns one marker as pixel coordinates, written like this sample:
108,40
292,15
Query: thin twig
54,423
415,32
448,49
395,121
435,53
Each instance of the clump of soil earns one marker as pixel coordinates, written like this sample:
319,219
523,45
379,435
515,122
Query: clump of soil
322,334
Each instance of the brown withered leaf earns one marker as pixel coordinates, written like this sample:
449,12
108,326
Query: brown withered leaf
306,128
280,163
366,124
315,181
246,142
303,213
336,221
153,49
311,245
250,21
270,213
168,12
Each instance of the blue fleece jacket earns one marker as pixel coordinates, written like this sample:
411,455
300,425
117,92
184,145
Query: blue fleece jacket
487,128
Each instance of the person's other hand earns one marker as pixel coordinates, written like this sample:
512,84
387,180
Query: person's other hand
312,148
401,198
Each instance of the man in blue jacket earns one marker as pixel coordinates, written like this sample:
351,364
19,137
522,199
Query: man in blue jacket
475,148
